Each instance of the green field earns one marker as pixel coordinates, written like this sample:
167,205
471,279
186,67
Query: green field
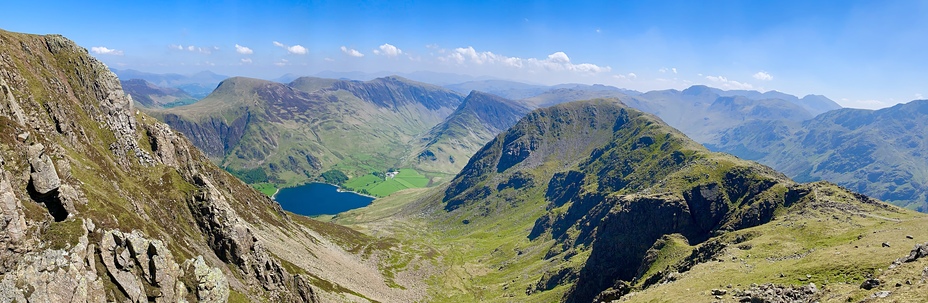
378,187
265,188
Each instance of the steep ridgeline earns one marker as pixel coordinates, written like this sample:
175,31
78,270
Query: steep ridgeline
147,94
593,200
102,203
291,133
448,145
880,153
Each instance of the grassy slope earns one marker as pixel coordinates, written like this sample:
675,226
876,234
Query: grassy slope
491,259
335,127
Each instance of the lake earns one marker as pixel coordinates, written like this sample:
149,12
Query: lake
319,199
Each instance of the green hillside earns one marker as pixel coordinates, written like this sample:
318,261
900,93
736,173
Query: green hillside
447,146
289,135
595,200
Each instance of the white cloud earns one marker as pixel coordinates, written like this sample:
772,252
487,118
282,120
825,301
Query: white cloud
327,59
558,61
674,70
763,76
243,50
282,62
194,48
388,50
293,50
297,50
598,31
629,76
246,60
351,52
664,70
919,96
729,84
101,50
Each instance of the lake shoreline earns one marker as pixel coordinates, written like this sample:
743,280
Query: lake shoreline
319,198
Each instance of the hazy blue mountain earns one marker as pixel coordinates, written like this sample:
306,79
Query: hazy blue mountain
815,104
198,85
881,153
147,94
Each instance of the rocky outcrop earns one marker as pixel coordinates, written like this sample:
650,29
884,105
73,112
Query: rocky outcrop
113,108
920,251
55,275
777,293
145,270
12,224
211,284
232,240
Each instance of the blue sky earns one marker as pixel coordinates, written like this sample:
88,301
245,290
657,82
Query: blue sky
866,54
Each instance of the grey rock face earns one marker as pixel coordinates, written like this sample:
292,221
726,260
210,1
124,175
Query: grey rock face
144,268
233,241
212,285
54,276
12,224
43,176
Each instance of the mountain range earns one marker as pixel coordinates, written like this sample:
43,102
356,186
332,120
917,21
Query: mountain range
875,152
147,94
197,85
577,202
293,132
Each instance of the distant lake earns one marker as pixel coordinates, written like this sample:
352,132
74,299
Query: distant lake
319,199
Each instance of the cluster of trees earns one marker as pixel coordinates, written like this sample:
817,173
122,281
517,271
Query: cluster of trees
250,176
334,176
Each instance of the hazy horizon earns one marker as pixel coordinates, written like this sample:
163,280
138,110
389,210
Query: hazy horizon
860,54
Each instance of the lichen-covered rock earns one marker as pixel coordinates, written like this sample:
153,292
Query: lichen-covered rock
212,285
54,275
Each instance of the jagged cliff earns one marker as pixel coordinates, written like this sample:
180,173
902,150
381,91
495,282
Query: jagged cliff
103,203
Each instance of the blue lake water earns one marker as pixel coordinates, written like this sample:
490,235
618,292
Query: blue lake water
319,199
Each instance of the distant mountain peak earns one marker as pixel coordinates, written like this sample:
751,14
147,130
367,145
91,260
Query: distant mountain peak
697,90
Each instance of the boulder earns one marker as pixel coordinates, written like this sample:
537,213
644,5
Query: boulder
869,284
43,177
